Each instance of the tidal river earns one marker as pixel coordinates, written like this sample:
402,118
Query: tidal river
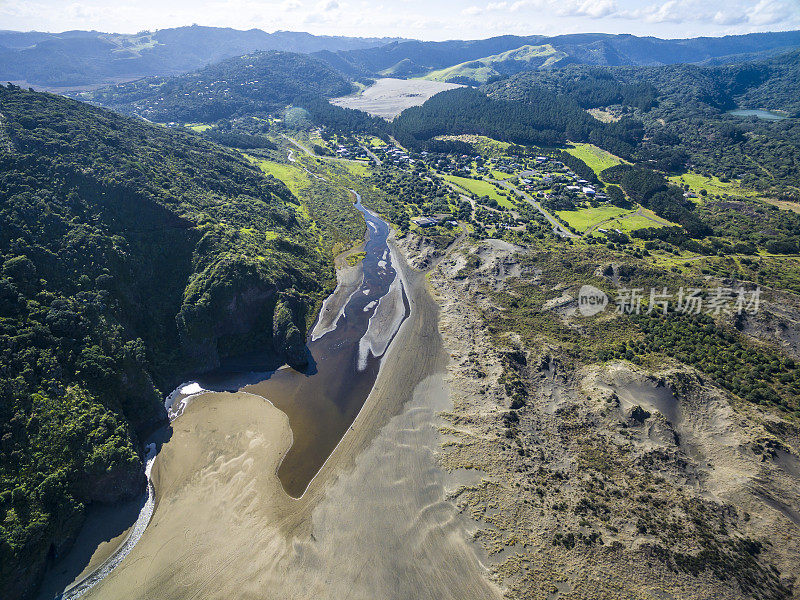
355,327
323,401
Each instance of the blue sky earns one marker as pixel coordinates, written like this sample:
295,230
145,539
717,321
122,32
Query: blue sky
423,19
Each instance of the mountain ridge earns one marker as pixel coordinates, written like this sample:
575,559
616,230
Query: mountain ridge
72,59
587,48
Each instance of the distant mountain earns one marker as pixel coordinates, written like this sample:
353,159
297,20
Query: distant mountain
250,84
508,63
427,55
772,83
87,58
588,48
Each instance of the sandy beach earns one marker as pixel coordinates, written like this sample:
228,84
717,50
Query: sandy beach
375,522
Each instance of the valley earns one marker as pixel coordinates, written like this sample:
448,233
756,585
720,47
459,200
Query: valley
506,318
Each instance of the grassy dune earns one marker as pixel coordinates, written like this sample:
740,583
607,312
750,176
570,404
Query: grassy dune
506,63
597,159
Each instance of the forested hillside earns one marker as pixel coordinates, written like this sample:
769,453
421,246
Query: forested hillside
254,84
684,112
130,255
544,119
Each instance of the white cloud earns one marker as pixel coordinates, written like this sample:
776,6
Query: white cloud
598,8
731,17
424,19
768,12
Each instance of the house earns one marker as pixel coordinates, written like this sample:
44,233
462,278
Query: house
589,191
425,222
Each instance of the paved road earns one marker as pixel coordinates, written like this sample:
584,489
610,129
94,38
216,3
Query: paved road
558,228
372,155
333,158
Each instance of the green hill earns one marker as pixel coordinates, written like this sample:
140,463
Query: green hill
507,63
78,58
404,68
130,256
250,84
582,48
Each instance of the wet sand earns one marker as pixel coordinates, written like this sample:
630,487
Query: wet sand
388,97
348,280
104,530
374,522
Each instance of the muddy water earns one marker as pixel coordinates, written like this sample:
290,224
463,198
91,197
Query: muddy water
323,401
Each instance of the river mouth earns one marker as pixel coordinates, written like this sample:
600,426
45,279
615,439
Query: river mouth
323,401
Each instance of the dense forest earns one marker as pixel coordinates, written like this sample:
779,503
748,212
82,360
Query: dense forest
544,119
259,84
123,247
683,110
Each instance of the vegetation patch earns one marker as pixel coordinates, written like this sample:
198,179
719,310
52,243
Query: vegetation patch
586,218
598,159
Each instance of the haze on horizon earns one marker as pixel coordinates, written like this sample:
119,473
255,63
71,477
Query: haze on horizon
421,19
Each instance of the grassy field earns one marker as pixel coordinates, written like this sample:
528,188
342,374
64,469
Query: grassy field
597,159
481,188
585,218
198,127
631,223
712,184
358,169
294,178
374,142
784,204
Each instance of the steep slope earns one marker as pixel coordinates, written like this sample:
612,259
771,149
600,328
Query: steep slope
79,58
492,67
256,83
130,256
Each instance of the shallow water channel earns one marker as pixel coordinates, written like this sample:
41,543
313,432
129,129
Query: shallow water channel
322,401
